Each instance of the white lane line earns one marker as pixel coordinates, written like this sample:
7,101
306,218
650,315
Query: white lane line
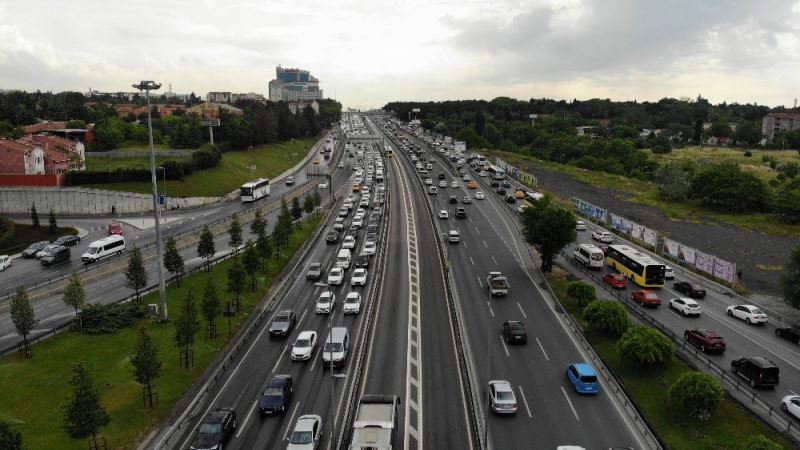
278,361
505,347
473,262
489,304
243,425
542,347
465,243
525,400
291,421
476,230
484,244
791,392
495,261
303,316
522,310
570,403
479,280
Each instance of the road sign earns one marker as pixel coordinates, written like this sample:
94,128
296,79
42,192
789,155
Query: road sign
209,122
162,199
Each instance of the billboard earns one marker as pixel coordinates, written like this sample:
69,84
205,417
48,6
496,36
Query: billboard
459,146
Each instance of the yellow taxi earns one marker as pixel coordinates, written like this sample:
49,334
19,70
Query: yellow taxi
519,195
316,161
472,185
356,187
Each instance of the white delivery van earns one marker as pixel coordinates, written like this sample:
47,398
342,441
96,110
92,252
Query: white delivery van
343,258
108,246
589,255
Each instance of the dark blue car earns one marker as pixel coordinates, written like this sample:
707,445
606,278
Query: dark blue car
276,396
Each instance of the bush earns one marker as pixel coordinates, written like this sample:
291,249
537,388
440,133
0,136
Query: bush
107,319
760,442
748,154
607,316
644,347
207,157
727,188
7,230
698,394
582,292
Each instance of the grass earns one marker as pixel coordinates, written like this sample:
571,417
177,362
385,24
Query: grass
25,235
730,426
645,193
35,389
753,164
105,164
233,171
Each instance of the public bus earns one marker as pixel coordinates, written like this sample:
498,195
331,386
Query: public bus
254,190
637,266
496,172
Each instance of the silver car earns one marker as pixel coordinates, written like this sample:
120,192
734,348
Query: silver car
501,395
306,434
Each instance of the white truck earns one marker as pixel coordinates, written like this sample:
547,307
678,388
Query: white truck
498,284
375,423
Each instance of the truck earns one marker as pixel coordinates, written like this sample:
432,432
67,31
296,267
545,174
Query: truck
498,284
375,423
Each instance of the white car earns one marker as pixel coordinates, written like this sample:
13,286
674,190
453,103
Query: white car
307,433
443,214
454,184
340,165
5,262
343,211
685,306
368,249
323,185
336,276
349,242
352,303
359,277
358,222
338,224
432,190
603,236
791,405
580,225
289,181
502,397
749,313
482,173
326,303
479,195
45,251
443,184
303,346
429,181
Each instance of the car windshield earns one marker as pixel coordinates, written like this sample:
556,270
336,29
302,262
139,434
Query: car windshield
93,250
314,267
280,319
333,347
302,343
300,437
756,311
351,300
505,395
589,379
273,392
210,428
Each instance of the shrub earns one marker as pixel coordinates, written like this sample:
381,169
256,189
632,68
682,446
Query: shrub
607,316
644,347
748,154
206,157
582,292
107,319
760,442
698,394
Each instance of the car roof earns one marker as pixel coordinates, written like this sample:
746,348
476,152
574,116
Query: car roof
306,334
709,333
516,324
306,422
501,385
279,380
285,312
217,414
583,369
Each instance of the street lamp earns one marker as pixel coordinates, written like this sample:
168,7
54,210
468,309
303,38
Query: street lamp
488,372
148,86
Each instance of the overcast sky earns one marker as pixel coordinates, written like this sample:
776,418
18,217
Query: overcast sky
369,52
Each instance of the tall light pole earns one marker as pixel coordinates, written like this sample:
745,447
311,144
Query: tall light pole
148,86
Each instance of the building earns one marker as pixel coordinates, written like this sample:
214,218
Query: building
231,97
52,145
60,129
779,123
300,105
26,157
211,110
292,85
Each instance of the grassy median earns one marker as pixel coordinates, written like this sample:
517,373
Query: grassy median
26,234
729,427
34,390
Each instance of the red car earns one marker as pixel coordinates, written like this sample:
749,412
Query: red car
114,228
705,340
646,298
616,280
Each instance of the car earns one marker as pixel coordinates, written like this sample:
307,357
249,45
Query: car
691,290
454,184
442,184
323,185
115,228
479,195
519,194
583,378
514,332
465,178
361,261
510,199
352,303
368,249
5,262
502,397
506,184
277,395
461,212
501,192
749,313
706,340
34,248
467,200
359,277
307,433
791,405
482,173
343,212
215,429
453,237
645,297
316,161
341,164
443,214
282,323
757,370
580,225
332,237
441,176
46,251
472,185
494,184
289,181
453,200
326,303
685,306
67,240
304,345
790,333
429,181
336,276
603,247
603,236
616,280
669,274
432,190
338,224
352,231
348,242
55,255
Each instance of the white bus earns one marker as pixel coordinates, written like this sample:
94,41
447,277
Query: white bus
590,256
254,190
496,172
108,246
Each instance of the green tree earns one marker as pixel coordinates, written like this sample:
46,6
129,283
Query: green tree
23,316
584,293
308,203
609,317
205,246
761,442
548,228
790,278
258,224
721,128
673,182
10,438
727,188
187,324
644,346
236,279
697,393
297,210
74,294
76,124
235,232
317,198
787,201
84,414
264,248
211,306
146,365
173,261
251,264
661,144
52,223
748,133
135,272
34,216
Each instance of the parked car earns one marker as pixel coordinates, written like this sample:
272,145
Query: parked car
215,430
749,313
276,396
691,290
115,228
685,306
706,340
616,280
583,378
757,370
303,347
791,333
502,398
282,323
306,434
67,240
646,297
34,248
514,332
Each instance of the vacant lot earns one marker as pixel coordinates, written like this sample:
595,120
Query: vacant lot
754,164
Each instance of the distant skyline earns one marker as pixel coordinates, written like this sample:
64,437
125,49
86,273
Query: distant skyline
366,54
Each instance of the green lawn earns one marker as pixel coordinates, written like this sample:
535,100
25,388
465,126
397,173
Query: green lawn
729,427
101,163
25,235
35,389
753,164
233,171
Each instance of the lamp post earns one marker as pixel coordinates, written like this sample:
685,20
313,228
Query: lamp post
488,372
148,86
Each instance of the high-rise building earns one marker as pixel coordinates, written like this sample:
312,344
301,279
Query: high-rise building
779,122
292,85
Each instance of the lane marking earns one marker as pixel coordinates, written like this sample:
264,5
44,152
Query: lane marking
278,361
301,318
479,280
246,419
522,310
489,304
505,347
472,261
495,261
465,242
476,230
542,347
291,421
484,244
525,400
570,403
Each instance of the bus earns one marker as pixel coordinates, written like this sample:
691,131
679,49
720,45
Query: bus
637,266
254,190
496,172
389,152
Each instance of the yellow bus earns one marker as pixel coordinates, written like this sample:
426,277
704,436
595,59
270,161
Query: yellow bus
637,266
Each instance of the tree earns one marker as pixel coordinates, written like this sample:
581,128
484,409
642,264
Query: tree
609,317
173,261
135,272
548,228
187,325
235,232
23,316
308,203
146,365
297,210
582,292
661,144
748,133
644,347
74,294
787,201
727,188
317,198
258,224
264,248
720,128
697,393
34,216
236,279
84,414
251,264
211,306
205,247
52,223
673,182
761,442
790,279
10,439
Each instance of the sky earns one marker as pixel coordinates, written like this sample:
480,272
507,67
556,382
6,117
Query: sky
369,52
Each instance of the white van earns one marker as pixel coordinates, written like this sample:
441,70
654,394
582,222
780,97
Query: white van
343,258
108,246
589,255
336,347
5,262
